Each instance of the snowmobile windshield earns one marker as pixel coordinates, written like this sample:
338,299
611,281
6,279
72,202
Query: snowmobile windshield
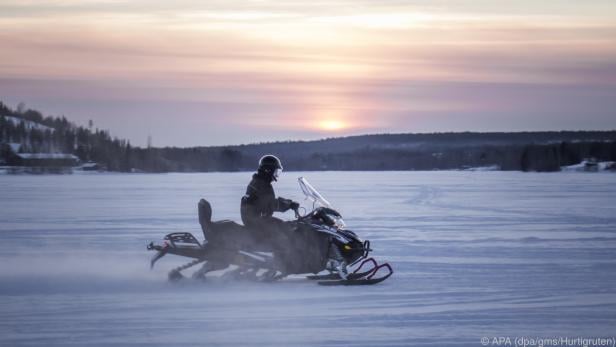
319,201
312,194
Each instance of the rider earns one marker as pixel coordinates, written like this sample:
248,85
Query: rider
259,203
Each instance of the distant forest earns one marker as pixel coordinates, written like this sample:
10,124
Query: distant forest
525,151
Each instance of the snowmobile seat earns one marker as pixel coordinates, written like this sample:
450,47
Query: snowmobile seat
226,226
228,234
205,214
224,233
207,226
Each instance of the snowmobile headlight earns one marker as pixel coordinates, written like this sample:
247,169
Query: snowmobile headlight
338,222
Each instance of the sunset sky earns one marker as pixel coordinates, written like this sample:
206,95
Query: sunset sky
229,72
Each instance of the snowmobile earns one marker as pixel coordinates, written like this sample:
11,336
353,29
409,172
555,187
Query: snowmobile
314,242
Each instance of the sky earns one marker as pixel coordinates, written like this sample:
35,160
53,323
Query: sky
198,73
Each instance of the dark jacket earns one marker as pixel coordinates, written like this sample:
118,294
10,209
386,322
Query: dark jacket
259,203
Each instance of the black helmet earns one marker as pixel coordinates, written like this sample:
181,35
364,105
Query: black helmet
270,164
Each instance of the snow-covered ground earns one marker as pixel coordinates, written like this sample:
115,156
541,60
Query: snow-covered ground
476,254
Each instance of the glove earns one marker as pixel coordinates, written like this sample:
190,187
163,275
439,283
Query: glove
286,204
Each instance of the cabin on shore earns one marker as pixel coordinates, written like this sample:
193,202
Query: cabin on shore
45,159
11,156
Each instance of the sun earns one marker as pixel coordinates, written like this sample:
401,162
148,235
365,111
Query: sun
332,125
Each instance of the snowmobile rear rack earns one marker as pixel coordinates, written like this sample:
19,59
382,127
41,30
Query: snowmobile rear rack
184,244
182,239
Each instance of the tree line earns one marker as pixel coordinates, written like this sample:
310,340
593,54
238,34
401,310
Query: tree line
525,151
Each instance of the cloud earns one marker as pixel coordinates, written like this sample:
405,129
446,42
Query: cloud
266,65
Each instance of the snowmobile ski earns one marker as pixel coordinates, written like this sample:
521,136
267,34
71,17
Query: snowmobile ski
350,281
352,276
335,276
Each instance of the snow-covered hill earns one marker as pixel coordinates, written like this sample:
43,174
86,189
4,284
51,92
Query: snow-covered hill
29,125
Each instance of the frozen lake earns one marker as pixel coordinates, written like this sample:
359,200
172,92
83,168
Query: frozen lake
476,254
